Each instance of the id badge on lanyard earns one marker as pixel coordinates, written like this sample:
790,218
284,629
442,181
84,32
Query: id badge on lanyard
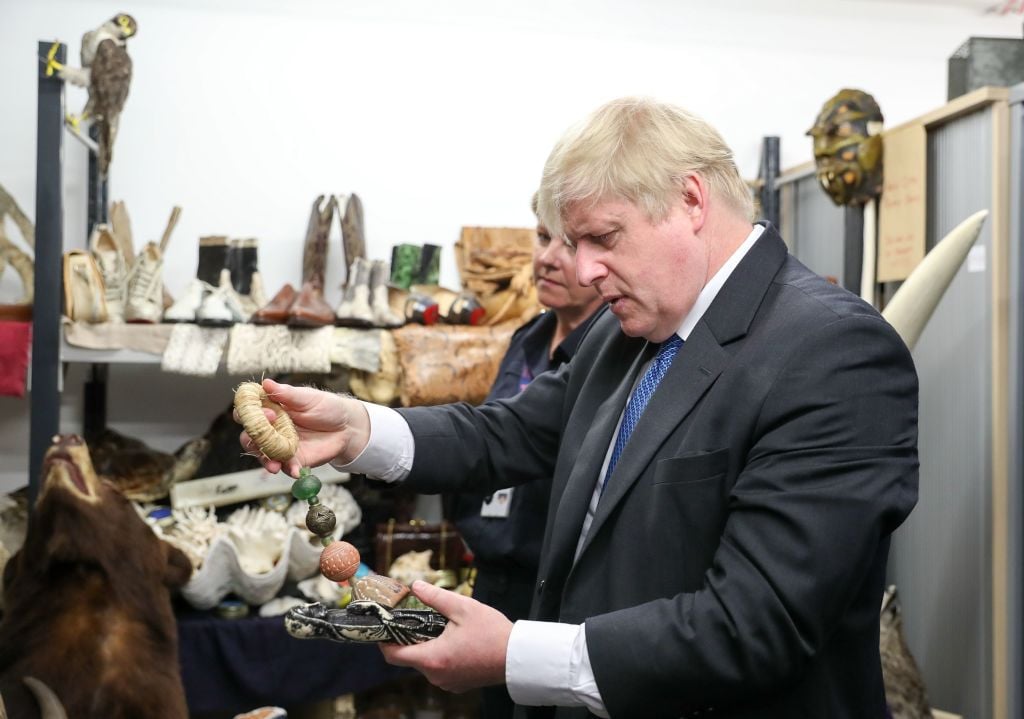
498,504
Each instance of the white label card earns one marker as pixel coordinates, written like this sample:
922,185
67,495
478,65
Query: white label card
498,504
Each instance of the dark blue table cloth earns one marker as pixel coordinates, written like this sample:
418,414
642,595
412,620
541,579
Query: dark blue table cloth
234,665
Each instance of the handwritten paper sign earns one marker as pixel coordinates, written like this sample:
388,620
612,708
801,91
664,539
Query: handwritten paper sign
901,217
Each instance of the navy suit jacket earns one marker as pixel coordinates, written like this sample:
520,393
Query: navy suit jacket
737,557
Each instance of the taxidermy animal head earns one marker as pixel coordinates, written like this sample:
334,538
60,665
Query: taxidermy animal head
87,601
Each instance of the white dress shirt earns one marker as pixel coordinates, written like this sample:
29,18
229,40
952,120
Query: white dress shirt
547,663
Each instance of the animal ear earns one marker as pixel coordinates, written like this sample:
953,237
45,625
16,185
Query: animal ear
179,568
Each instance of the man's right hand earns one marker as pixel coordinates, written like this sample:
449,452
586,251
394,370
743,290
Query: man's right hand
330,427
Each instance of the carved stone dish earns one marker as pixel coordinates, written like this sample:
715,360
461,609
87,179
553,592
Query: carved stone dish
364,621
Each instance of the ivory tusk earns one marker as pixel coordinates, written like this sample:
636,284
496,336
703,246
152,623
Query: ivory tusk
49,705
914,302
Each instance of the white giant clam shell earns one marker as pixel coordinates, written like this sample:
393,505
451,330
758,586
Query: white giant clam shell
222,573
254,551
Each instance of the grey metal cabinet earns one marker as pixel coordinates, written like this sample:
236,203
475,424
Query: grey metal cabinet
956,560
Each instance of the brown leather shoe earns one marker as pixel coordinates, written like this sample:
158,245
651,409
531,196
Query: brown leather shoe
276,311
310,309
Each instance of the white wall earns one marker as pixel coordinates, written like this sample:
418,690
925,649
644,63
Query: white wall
438,114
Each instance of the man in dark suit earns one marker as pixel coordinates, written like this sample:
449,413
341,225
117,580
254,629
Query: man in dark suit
732,446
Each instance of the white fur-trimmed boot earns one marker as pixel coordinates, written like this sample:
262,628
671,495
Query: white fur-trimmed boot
383,315
355,309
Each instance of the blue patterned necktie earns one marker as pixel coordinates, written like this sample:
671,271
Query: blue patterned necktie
641,396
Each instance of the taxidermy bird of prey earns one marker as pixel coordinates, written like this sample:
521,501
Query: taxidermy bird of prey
107,73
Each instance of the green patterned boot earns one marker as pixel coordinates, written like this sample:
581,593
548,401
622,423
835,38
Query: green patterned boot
405,262
429,271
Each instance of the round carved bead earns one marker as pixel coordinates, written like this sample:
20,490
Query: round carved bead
320,520
339,561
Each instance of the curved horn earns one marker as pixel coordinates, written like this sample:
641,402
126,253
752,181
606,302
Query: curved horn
49,705
914,302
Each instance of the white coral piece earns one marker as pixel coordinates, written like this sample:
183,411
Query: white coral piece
193,531
411,566
259,536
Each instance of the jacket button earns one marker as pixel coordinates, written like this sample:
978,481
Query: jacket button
540,585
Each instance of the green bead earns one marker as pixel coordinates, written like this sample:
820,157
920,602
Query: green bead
306,486
313,501
326,540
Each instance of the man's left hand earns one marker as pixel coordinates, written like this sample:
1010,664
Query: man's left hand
470,653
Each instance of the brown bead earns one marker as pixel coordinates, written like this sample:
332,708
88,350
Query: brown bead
339,561
320,520
381,589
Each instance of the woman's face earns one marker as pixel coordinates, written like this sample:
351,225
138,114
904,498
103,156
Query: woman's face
554,273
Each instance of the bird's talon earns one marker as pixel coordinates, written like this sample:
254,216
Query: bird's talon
52,64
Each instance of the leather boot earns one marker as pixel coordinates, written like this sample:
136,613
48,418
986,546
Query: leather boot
355,309
276,311
353,236
310,309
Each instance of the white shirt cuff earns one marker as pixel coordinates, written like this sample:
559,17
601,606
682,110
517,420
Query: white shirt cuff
389,451
547,664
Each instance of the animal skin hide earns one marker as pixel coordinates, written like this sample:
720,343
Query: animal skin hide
88,605
904,687
140,472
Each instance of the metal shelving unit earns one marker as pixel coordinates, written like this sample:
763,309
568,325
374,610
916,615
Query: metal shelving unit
46,312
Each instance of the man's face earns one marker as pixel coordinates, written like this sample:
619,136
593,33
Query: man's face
649,273
554,272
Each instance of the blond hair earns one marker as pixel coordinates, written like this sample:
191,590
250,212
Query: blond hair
641,151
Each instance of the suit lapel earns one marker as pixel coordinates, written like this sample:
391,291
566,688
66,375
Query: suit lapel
579,485
699,363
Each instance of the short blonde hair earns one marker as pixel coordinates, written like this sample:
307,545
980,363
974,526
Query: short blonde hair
637,150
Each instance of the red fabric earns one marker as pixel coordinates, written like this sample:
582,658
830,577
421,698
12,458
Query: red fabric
15,342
